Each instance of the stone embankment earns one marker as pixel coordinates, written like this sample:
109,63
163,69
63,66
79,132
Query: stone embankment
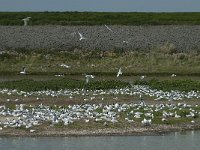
183,38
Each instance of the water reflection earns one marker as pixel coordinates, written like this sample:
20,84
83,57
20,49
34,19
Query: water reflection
178,140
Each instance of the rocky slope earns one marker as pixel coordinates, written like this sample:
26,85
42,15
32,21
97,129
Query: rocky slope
183,38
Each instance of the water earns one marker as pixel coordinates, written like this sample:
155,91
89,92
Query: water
172,141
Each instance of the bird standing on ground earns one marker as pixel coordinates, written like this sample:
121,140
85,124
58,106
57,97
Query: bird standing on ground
26,20
173,75
119,72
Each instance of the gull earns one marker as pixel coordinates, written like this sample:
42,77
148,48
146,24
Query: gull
26,20
125,42
59,75
81,36
173,75
65,66
31,131
108,28
142,77
146,122
23,70
88,77
119,72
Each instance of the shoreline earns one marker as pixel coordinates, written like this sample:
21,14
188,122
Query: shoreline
154,130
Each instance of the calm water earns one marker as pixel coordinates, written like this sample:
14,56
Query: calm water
174,141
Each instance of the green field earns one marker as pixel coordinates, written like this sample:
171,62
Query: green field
163,61
99,18
67,83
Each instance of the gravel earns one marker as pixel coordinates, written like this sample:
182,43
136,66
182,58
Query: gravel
183,38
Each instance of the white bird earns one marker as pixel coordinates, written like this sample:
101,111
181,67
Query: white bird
23,70
142,77
119,72
65,66
125,42
108,28
31,131
81,36
59,75
146,122
88,77
173,75
26,20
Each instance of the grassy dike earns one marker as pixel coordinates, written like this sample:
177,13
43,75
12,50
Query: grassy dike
157,61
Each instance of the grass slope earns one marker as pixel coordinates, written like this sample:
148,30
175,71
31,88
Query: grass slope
158,61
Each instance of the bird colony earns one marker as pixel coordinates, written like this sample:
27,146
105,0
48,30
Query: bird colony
29,116
135,90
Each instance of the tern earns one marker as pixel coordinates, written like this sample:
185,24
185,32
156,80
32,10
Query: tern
173,75
146,122
142,77
26,20
108,28
125,42
119,72
88,77
23,70
81,36
65,66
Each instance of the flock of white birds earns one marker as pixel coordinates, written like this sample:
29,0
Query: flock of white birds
29,116
135,90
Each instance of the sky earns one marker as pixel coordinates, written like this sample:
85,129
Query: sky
102,5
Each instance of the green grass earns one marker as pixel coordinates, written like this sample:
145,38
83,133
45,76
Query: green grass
167,85
67,83
158,61
58,84
100,18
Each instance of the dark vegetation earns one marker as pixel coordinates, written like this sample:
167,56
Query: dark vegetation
99,18
58,84
67,83
168,85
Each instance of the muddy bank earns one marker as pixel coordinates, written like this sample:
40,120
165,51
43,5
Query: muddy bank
135,131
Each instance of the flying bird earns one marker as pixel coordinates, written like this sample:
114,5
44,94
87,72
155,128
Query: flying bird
26,20
81,36
119,72
23,70
88,77
108,28
142,77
